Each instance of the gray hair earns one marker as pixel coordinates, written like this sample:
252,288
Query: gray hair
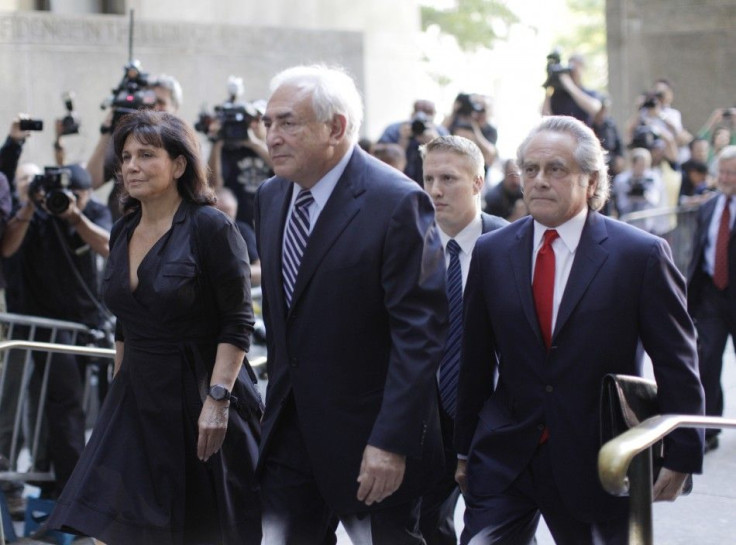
589,154
726,154
173,86
460,146
333,92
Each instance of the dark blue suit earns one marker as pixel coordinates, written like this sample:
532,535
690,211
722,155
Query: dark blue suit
357,352
623,286
438,505
713,310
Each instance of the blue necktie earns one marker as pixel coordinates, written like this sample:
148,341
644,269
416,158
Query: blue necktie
297,234
450,363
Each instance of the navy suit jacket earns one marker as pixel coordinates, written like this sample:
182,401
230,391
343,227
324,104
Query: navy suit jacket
696,277
361,343
623,287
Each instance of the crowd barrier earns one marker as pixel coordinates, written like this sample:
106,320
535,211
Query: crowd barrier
676,225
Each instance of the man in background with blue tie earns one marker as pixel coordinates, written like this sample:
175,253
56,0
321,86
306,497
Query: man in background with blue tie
554,302
712,285
355,309
453,178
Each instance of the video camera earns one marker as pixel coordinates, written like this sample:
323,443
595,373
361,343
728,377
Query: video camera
233,117
70,122
132,93
554,70
51,189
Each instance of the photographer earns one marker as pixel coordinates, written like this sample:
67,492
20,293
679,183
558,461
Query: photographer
565,94
10,153
239,159
469,119
639,187
54,239
411,134
162,93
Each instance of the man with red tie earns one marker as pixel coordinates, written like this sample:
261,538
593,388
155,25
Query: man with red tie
712,285
554,302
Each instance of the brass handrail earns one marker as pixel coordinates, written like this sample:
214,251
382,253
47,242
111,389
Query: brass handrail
616,455
625,465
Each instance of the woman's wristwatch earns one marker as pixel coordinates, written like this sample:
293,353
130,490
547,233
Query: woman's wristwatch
219,393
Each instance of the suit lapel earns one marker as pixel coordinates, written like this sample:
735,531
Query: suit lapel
340,209
589,258
273,219
520,256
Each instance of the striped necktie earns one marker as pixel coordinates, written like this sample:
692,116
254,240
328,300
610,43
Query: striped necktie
450,363
297,234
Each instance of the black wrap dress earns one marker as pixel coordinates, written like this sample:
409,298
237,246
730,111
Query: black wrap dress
139,480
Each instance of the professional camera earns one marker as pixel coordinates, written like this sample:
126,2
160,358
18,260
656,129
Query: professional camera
419,123
467,106
70,122
233,116
638,186
651,100
554,70
51,189
31,124
131,94
644,136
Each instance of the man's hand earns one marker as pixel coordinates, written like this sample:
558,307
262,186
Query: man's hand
461,475
15,133
381,474
668,485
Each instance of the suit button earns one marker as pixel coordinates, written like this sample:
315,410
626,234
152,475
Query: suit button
540,427
294,361
549,389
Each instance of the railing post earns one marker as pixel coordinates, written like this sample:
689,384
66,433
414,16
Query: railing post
640,499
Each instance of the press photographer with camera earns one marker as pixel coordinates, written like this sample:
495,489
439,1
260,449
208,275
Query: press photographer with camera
54,239
12,148
136,91
565,94
469,119
239,158
417,131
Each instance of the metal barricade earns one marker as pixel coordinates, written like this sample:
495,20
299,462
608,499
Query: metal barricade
12,473
15,377
676,225
625,465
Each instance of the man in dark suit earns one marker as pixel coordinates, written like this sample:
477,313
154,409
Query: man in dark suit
453,178
355,310
554,302
712,285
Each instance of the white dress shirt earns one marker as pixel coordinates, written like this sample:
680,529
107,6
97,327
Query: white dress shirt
466,239
564,247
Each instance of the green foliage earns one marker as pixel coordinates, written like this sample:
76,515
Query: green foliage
586,34
471,22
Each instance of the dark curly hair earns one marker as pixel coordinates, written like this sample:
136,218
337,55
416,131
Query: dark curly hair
164,130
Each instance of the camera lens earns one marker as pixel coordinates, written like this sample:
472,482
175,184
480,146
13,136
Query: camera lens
57,202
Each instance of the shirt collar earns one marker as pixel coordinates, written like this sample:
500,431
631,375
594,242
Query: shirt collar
465,238
570,231
322,190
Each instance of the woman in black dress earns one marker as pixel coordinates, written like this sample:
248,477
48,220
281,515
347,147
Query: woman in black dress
172,455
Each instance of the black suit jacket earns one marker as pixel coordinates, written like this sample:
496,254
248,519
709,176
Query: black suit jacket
696,277
360,345
623,287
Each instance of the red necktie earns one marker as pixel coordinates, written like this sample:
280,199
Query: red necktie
720,269
543,285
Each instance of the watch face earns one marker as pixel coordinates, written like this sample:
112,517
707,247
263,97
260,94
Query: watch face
218,392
